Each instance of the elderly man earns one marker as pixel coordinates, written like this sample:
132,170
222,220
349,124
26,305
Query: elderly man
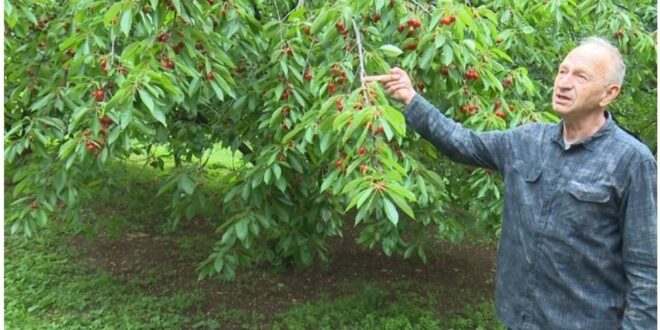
578,242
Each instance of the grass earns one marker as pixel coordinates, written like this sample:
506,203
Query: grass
50,285
46,289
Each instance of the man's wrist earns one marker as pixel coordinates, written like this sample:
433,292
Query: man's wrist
410,99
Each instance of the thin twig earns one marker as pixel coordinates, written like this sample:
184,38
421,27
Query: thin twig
421,6
279,17
277,9
112,47
309,53
361,54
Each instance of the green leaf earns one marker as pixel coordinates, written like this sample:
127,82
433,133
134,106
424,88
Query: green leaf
114,134
242,229
403,205
447,54
329,181
427,57
126,21
112,13
391,50
321,20
186,184
267,175
67,148
390,211
277,170
395,119
149,102
42,102
363,196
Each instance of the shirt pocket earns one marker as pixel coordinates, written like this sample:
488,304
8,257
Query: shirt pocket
525,195
529,173
589,206
589,193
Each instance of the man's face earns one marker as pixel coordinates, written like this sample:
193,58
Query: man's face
582,81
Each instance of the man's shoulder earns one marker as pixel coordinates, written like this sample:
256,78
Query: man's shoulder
634,149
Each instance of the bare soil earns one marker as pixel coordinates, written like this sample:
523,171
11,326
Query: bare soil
459,273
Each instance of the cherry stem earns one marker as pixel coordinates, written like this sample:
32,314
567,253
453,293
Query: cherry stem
361,54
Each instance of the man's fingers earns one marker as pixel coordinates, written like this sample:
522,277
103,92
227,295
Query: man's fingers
395,87
393,82
382,78
397,71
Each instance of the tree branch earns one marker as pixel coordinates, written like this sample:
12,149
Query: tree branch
361,54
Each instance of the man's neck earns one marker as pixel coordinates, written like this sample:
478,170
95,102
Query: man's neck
580,128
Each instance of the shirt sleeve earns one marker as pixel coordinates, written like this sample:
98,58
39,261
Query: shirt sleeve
639,247
456,142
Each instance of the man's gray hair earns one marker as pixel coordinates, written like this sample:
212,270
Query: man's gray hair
619,71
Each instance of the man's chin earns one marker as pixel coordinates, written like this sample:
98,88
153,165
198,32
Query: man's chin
561,110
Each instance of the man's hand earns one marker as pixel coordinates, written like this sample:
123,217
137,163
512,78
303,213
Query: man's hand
397,84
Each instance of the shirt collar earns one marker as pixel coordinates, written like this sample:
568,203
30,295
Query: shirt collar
558,131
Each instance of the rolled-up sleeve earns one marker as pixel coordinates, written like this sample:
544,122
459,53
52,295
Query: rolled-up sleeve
453,140
639,247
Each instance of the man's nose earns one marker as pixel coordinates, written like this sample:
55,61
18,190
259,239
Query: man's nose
564,82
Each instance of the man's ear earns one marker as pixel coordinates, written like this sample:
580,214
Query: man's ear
611,92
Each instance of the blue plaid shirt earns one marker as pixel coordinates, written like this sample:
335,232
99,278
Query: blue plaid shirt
578,241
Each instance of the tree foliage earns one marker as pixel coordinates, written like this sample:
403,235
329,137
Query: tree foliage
91,81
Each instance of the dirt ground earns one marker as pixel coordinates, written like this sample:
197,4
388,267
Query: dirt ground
459,274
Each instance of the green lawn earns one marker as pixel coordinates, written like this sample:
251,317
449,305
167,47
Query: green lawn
51,284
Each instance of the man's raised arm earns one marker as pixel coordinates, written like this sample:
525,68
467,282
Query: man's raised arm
456,142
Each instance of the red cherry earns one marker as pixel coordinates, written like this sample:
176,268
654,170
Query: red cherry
362,151
90,146
167,63
163,37
448,20
339,103
414,23
364,168
341,27
99,95
401,28
444,71
507,82
471,74
106,121
411,46
179,47
618,34
500,114
103,63
308,74
332,88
